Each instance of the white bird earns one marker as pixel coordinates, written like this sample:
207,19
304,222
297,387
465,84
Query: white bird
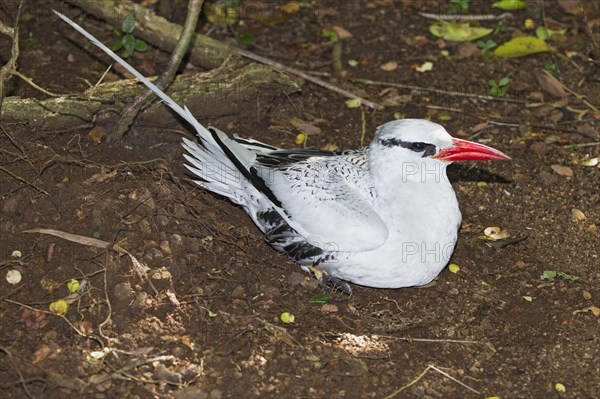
384,216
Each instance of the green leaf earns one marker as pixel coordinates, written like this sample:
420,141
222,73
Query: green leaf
319,299
542,32
552,68
566,276
459,6
545,33
331,35
552,274
246,39
117,46
128,23
141,45
548,275
521,46
510,5
129,44
504,81
458,32
353,103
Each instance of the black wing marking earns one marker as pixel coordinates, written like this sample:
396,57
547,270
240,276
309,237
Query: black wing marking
249,173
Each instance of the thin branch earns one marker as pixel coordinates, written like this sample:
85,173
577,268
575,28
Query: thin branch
22,180
431,367
94,242
305,76
595,50
465,17
166,78
454,379
30,82
17,370
11,64
405,387
439,91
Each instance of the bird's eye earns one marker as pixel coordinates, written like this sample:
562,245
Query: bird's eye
418,147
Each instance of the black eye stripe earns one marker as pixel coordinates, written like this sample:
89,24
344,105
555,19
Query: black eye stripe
427,149
418,146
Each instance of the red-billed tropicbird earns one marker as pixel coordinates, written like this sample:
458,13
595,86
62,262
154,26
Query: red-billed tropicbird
383,216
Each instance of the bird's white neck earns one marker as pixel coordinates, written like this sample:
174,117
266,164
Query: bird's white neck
414,195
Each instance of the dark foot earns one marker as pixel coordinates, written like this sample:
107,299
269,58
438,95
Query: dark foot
329,282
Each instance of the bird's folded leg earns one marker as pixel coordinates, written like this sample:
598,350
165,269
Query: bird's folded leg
327,281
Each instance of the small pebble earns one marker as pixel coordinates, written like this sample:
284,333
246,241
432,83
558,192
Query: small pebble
329,308
577,215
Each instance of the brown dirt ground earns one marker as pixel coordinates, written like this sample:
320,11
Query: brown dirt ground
221,337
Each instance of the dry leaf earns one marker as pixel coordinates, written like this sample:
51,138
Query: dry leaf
97,134
86,327
562,170
41,354
480,126
587,130
187,342
427,66
468,49
594,309
305,127
551,85
33,319
389,66
329,308
570,6
330,147
341,33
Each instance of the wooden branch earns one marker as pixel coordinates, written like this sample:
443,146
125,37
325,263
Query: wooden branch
11,65
204,51
225,89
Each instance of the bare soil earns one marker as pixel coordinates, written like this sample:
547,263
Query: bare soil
207,322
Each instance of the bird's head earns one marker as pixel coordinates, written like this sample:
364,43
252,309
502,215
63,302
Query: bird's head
416,139
421,145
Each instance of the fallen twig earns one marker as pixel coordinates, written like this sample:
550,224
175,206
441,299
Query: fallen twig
139,268
440,340
17,370
465,17
439,91
30,82
579,96
11,64
22,180
430,367
305,76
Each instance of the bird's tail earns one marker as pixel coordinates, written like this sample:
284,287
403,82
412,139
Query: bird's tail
221,163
